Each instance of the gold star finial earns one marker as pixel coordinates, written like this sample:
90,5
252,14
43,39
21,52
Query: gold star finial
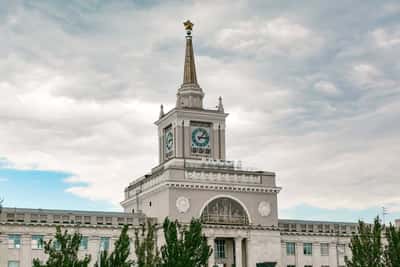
188,26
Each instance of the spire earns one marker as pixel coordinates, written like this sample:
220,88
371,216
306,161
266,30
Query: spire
220,105
189,73
161,111
190,95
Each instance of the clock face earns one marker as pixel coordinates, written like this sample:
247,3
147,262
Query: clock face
169,140
201,137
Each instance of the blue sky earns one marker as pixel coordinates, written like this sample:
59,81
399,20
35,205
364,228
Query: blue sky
312,89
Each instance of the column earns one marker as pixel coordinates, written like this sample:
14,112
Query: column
211,260
25,251
3,249
299,253
238,252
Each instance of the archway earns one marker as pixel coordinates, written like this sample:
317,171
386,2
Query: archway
224,210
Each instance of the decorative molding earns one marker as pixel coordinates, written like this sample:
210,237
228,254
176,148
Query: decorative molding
182,204
223,177
223,187
264,208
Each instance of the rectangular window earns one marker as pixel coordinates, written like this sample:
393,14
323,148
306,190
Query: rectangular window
104,243
220,249
37,242
84,243
290,265
307,265
290,248
14,241
324,265
324,249
307,248
13,264
56,245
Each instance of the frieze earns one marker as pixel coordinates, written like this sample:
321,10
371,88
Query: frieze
223,177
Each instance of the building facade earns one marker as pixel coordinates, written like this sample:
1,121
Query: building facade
238,206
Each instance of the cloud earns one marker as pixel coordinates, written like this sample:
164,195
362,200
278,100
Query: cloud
383,38
309,97
260,37
326,87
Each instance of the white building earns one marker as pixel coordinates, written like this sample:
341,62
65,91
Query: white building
238,207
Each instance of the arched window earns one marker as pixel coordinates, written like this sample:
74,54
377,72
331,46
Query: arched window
224,211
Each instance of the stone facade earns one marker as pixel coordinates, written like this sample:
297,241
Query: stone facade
21,228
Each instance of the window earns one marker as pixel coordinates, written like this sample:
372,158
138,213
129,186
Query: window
307,249
324,265
290,265
220,249
56,245
13,264
84,243
14,241
290,248
324,249
307,265
34,218
87,219
104,243
37,242
78,219
43,218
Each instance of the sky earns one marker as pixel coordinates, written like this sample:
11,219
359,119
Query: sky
312,89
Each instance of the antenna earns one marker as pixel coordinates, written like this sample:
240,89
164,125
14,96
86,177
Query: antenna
384,213
1,204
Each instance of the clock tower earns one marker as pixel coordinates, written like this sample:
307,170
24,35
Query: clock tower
189,130
237,206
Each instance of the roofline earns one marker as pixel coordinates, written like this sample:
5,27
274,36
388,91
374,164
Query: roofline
11,209
313,222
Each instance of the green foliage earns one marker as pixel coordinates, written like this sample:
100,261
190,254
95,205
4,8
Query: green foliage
65,253
119,257
145,246
366,246
184,246
392,249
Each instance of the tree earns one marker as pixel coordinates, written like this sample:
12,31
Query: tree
145,246
366,246
392,249
119,257
184,246
63,251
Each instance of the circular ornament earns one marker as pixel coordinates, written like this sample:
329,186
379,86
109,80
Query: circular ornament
264,208
182,204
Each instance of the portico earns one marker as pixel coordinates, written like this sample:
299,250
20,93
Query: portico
229,246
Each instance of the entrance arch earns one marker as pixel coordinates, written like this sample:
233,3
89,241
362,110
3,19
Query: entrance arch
224,209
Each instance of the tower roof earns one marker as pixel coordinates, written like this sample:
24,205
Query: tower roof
189,95
189,72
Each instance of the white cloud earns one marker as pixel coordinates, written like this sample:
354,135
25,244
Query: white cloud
276,36
383,38
326,87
